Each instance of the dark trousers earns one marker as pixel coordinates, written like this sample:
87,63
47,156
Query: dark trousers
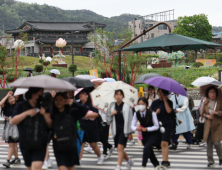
148,151
105,137
186,135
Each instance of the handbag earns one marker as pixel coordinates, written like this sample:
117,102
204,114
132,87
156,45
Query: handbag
80,135
200,131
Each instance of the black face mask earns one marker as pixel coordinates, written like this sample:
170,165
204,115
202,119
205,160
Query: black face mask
39,100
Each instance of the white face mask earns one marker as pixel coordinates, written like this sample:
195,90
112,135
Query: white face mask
142,107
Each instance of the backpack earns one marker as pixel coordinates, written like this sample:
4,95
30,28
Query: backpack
35,131
64,132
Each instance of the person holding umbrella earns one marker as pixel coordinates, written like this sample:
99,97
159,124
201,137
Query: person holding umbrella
212,112
163,108
119,115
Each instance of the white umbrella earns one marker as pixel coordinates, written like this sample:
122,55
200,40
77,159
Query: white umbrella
103,96
202,81
88,77
43,81
55,71
48,59
20,91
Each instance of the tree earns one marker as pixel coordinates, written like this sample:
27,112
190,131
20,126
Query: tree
196,26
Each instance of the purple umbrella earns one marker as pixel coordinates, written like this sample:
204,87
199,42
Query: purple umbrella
166,83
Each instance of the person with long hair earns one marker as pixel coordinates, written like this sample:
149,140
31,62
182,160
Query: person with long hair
148,126
31,107
120,116
8,104
212,112
90,127
163,108
151,95
68,158
47,104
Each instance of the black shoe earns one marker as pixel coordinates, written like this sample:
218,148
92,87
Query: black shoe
7,164
173,147
165,164
220,162
16,161
210,165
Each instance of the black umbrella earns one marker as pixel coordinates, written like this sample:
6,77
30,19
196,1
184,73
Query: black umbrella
78,82
144,77
28,69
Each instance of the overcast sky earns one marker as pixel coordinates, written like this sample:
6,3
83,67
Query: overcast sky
111,8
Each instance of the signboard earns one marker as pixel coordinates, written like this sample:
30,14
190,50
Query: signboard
207,62
93,73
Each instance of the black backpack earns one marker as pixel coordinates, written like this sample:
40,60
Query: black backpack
35,131
64,132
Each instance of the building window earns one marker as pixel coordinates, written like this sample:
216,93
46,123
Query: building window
76,49
46,49
139,25
135,35
150,25
66,49
162,27
55,49
152,35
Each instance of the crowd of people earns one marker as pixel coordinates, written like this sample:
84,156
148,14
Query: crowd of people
60,116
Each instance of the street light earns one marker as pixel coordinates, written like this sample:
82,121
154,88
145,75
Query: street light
72,46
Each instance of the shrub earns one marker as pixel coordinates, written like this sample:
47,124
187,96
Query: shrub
220,59
166,75
72,68
187,60
38,68
151,56
41,61
45,63
211,57
198,64
218,64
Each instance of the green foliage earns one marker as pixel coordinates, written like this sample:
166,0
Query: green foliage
196,26
15,13
211,57
3,53
218,64
45,63
151,56
38,68
41,61
187,60
198,64
72,68
166,75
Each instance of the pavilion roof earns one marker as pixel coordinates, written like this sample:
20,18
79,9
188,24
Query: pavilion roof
53,41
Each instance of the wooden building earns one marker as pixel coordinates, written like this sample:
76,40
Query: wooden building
42,37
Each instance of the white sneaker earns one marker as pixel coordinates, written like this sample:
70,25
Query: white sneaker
88,149
143,168
105,156
132,143
118,168
49,163
111,151
129,164
45,166
100,160
80,162
160,168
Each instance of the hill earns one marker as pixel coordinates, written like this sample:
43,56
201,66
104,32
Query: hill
14,13
216,29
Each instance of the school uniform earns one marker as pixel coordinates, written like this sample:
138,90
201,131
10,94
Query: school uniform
121,122
90,127
164,117
29,156
69,158
149,137
8,112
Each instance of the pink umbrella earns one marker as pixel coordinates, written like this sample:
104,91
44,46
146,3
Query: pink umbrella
77,91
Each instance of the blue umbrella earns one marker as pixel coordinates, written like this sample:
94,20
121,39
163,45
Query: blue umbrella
110,80
166,83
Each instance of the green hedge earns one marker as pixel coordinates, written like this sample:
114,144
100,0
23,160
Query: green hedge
218,64
198,64
211,57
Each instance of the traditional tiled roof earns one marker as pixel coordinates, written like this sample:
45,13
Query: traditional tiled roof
56,26
53,41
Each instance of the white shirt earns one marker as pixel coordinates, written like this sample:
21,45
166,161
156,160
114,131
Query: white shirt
151,101
149,129
185,104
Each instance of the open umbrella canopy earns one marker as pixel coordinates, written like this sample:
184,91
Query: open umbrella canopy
28,69
110,80
55,71
103,95
43,81
88,77
171,42
217,84
79,82
201,81
144,77
166,83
